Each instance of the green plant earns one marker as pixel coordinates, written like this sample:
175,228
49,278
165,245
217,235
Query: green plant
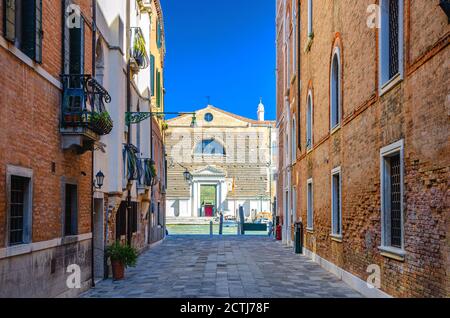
125,254
153,169
165,126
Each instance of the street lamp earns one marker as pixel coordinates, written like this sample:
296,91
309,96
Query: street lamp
187,175
99,177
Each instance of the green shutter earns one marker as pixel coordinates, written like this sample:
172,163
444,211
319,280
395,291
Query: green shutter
9,19
158,89
152,74
158,34
39,31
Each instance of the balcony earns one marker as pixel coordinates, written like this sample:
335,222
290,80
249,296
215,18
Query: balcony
83,117
139,59
146,173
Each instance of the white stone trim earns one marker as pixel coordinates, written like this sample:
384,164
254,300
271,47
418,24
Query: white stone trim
353,281
40,246
28,61
386,84
396,147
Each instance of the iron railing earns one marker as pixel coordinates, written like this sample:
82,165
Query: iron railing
138,48
83,104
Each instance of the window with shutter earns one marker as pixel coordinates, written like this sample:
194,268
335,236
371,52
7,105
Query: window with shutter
152,74
76,49
158,89
39,34
23,26
9,19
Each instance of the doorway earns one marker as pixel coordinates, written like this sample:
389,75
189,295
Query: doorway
99,243
208,200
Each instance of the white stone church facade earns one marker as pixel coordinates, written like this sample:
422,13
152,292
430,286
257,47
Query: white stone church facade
231,161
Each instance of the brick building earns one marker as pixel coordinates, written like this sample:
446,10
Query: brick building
45,147
365,140
63,121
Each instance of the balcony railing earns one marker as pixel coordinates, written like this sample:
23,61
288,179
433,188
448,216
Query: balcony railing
147,172
83,105
138,54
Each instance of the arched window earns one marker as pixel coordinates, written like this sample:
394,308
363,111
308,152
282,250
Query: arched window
309,122
335,90
209,147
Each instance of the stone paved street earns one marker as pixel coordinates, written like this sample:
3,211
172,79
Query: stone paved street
237,267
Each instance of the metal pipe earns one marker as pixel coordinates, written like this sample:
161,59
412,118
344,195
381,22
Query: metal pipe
94,36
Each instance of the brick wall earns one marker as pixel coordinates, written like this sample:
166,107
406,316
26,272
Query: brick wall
415,110
29,132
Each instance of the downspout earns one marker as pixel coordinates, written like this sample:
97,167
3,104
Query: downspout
94,38
128,48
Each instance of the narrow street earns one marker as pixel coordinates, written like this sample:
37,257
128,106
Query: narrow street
222,267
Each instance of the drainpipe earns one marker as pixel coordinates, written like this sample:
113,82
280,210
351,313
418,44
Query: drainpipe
94,38
128,48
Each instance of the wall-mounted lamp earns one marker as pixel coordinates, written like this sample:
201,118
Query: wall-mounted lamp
99,178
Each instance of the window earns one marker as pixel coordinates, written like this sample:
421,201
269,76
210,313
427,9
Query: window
121,220
294,204
71,210
134,217
158,34
335,90
19,207
294,36
336,209
293,141
158,88
73,46
392,195
309,205
160,215
22,21
152,74
209,117
310,19
209,147
391,41
309,122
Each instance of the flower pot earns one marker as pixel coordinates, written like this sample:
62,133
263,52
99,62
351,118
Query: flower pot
118,270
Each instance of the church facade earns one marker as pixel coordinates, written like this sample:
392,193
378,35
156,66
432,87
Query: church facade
223,162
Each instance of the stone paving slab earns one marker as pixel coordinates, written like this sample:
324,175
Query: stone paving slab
223,267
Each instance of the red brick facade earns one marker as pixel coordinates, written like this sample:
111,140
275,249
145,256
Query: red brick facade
414,110
30,138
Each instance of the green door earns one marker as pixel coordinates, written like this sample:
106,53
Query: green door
208,195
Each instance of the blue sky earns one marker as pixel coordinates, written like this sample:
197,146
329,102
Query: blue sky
221,49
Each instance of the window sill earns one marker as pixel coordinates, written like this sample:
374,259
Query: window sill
393,82
309,150
393,253
310,230
335,129
336,238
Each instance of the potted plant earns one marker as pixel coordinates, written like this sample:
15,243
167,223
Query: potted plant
121,256
101,123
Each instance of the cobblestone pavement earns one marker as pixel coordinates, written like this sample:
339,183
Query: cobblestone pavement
222,267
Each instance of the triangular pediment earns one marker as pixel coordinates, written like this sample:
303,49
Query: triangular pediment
219,118
209,171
